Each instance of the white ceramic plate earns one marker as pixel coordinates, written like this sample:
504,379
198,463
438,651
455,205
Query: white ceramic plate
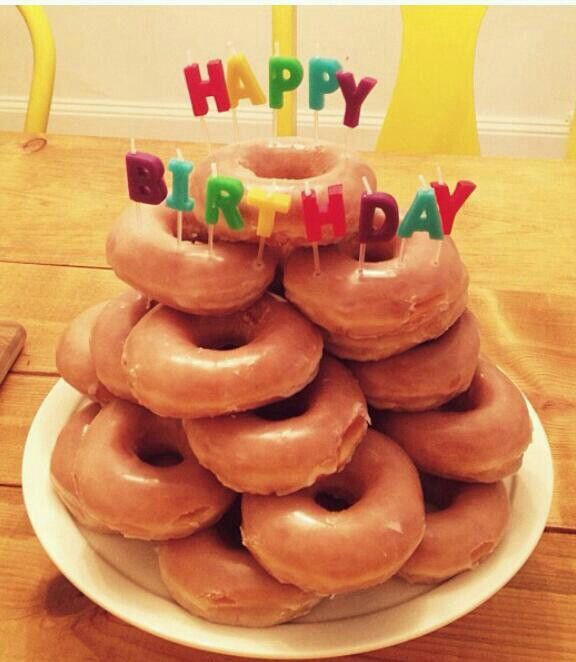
122,576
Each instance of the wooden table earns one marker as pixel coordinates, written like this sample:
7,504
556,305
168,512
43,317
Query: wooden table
517,236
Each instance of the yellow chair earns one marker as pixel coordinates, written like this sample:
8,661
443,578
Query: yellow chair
432,106
284,33
571,153
40,98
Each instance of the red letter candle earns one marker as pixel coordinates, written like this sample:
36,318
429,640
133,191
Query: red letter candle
354,95
333,213
145,173
199,90
369,203
450,204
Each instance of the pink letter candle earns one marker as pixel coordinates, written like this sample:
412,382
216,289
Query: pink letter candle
332,213
354,95
369,203
199,90
449,205
145,174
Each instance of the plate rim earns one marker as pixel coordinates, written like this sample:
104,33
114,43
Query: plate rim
290,640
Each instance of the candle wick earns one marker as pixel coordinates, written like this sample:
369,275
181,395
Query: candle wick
439,175
231,47
367,185
214,169
276,48
132,145
188,56
307,187
179,154
423,181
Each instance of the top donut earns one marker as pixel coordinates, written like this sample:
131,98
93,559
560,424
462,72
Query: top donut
283,165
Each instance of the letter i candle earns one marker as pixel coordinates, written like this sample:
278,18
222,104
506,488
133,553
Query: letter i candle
179,198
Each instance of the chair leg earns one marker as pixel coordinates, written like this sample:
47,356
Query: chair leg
40,98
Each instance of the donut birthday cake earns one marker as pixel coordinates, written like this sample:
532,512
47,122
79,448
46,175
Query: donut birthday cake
288,400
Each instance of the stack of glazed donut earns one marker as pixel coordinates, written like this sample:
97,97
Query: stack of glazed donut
231,425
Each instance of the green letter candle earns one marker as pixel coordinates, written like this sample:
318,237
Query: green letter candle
422,216
179,198
224,194
321,80
278,83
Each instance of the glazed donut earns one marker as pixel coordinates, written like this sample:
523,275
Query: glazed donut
478,437
329,549
109,333
189,367
63,461
470,522
136,474
143,251
425,376
74,359
283,165
213,576
393,305
288,445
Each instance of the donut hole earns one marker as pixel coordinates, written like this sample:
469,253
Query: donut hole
228,527
223,342
272,161
158,454
335,499
439,493
296,405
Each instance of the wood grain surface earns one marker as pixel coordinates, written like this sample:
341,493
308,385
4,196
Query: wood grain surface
516,235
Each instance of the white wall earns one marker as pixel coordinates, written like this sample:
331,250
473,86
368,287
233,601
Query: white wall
119,70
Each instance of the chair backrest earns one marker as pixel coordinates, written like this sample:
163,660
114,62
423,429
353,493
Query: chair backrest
432,106
40,97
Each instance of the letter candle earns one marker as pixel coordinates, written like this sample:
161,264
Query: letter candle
145,176
322,80
315,216
179,198
269,203
242,84
278,83
422,216
450,204
354,96
315,252
369,202
223,194
199,90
